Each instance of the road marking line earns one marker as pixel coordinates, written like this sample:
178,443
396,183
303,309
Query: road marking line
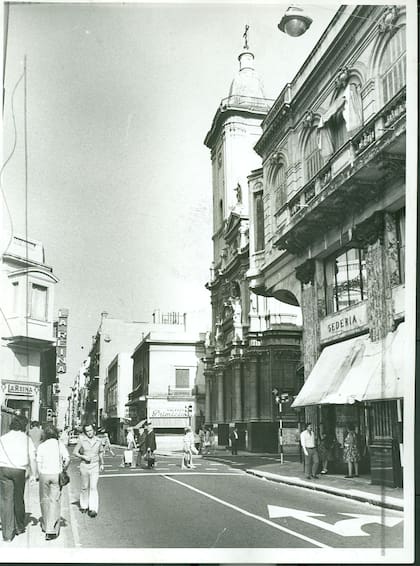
158,474
248,514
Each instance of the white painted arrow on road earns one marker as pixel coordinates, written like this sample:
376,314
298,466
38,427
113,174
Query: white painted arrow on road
345,528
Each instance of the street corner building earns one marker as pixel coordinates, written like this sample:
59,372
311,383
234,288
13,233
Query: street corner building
308,282
28,352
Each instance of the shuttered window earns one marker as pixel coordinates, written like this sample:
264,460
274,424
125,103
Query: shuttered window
393,64
312,156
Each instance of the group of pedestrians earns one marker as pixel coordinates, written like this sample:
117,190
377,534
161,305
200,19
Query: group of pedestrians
325,451
145,444
38,455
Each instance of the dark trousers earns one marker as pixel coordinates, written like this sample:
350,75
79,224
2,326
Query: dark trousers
311,462
12,502
234,447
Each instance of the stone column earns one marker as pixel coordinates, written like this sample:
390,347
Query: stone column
251,389
370,236
220,413
265,386
207,410
237,393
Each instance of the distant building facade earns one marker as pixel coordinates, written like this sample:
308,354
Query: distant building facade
168,381
332,183
255,341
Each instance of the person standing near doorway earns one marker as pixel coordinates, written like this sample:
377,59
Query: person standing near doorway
17,454
308,443
234,441
150,445
90,450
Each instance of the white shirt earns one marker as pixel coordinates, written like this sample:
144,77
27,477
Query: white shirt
307,439
50,455
16,450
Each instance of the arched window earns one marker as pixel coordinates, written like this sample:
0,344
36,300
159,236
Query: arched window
279,186
312,156
392,67
339,131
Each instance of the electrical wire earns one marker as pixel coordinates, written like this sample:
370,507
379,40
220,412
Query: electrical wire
7,161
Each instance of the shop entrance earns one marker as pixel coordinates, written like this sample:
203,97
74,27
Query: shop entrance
24,406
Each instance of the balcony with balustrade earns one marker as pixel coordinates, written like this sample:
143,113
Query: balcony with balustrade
354,176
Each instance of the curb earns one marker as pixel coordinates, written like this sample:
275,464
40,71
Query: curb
296,482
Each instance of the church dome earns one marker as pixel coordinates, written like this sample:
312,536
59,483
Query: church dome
247,81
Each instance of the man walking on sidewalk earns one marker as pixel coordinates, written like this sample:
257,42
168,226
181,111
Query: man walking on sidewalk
307,440
90,450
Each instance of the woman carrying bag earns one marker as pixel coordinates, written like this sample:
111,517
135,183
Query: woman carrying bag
52,458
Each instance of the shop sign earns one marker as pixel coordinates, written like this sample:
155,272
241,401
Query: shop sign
61,360
344,323
169,412
20,389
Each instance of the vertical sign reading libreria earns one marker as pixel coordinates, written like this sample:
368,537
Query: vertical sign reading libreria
61,356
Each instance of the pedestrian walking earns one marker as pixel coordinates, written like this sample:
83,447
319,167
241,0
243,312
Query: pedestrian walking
201,435
150,445
234,441
141,446
35,433
107,444
64,436
308,443
90,450
206,444
17,459
211,441
128,453
351,453
52,457
189,449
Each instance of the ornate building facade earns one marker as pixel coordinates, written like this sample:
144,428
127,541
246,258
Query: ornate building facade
332,183
254,344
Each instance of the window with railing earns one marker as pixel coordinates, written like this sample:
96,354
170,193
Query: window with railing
392,68
400,222
345,279
312,155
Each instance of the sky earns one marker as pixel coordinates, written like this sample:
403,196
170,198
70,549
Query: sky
119,99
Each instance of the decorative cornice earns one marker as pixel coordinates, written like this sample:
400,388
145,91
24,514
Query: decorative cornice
306,271
387,22
369,231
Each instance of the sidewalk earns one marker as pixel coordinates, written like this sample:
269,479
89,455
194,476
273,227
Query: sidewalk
359,488
33,537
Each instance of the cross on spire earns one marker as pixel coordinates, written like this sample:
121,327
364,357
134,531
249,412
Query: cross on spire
245,36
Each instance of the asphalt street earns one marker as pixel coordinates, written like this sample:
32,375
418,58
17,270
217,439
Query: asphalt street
218,505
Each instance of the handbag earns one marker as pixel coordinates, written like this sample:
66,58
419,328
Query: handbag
63,477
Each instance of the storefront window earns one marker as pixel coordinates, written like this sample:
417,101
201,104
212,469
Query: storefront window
345,277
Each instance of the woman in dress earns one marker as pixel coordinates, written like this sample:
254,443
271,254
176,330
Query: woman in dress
188,449
351,453
52,457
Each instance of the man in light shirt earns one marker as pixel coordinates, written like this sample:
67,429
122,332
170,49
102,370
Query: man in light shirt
307,440
17,453
90,450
